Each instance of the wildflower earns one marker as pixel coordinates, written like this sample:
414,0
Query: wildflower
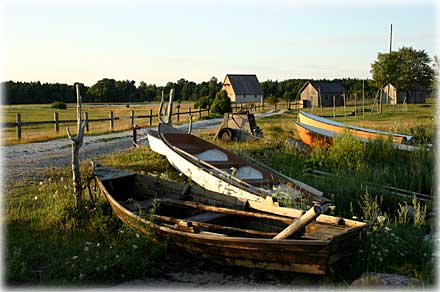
380,219
75,257
98,244
354,217
135,246
111,246
81,276
35,198
50,179
117,256
86,249
88,243
122,231
61,178
137,235
387,228
41,183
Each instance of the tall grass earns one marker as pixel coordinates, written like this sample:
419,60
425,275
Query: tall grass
49,243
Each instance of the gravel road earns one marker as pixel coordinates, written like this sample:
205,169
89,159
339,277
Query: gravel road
28,161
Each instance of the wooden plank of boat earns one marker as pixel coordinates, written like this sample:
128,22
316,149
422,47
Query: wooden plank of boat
230,243
337,127
209,176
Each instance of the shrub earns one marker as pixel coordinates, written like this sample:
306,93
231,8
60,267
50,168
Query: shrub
271,99
58,105
221,104
204,102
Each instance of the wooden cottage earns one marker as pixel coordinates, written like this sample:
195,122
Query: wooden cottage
315,92
243,88
392,95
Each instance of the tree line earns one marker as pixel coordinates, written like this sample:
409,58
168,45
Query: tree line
126,91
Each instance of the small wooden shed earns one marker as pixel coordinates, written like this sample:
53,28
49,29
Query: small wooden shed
315,92
392,95
243,88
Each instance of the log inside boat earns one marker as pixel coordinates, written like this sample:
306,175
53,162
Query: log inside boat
223,228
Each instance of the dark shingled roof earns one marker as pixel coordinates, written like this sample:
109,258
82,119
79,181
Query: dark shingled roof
328,86
245,84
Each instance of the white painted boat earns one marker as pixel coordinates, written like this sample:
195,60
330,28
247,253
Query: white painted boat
222,171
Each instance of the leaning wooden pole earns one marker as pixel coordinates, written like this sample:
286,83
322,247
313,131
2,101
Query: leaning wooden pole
77,142
299,224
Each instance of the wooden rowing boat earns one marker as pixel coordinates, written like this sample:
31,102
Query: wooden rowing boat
222,228
219,170
317,137
340,128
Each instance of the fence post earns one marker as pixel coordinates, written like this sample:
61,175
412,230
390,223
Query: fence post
275,105
57,122
86,120
132,118
112,121
151,117
134,137
178,112
19,126
189,114
200,112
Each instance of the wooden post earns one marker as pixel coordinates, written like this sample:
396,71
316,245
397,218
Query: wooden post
178,112
57,122
132,118
189,114
334,107
363,99
320,99
300,223
355,104
86,120
151,117
200,112
275,105
77,142
345,116
134,135
112,121
18,126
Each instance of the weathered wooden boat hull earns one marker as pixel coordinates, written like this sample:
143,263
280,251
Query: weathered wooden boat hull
336,127
214,179
295,255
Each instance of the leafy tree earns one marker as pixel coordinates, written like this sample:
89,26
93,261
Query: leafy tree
222,103
405,69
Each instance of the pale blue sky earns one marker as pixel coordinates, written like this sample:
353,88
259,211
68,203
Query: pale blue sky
162,41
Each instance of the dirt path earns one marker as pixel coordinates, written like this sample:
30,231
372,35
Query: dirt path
28,161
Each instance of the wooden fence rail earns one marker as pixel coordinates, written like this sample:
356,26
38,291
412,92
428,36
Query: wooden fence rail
19,124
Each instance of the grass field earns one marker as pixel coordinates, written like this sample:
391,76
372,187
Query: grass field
418,118
40,112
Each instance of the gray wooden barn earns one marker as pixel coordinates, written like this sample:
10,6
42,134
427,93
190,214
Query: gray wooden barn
393,95
243,88
315,92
